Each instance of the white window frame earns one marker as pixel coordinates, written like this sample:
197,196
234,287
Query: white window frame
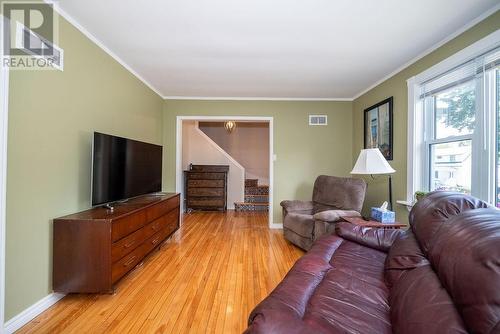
429,140
418,159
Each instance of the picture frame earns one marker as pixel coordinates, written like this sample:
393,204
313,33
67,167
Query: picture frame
378,127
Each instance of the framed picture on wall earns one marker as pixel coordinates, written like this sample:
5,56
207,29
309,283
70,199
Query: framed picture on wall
378,127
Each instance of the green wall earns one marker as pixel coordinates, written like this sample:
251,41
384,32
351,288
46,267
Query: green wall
51,119
303,151
396,86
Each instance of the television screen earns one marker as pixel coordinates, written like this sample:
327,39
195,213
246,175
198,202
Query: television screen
124,168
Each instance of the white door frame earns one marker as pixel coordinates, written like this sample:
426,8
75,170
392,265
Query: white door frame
178,152
4,107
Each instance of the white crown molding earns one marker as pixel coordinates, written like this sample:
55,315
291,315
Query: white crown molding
228,98
31,312
463,29
100,44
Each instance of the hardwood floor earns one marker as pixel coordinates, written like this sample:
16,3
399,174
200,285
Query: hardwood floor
206,279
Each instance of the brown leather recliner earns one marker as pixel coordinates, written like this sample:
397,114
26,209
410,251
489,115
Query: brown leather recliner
440,276
333,197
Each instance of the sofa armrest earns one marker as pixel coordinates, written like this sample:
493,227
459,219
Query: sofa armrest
296,205
376,238
331,216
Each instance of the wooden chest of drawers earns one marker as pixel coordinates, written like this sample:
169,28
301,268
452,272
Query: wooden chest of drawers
205,187
94,249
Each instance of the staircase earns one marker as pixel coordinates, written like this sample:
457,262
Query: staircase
256,197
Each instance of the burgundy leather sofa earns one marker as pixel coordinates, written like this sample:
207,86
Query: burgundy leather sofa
442,275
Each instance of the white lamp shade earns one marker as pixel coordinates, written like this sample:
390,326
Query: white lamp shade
371,161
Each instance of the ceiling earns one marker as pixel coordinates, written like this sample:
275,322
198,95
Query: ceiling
317,49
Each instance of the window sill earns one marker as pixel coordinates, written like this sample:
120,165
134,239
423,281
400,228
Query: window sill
408,204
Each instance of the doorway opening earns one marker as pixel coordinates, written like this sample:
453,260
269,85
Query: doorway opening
250,184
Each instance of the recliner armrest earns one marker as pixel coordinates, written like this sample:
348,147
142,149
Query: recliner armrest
295,205
376,238
331,216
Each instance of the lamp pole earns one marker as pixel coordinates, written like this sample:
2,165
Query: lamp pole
390,192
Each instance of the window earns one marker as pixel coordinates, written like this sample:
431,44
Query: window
451,111
454,124
497,104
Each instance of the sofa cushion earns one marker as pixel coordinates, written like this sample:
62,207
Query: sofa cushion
405,254
335,215
305,207
465,253
420,304
331,192
352,296
301,224
336,287
286,305
377,238
430,213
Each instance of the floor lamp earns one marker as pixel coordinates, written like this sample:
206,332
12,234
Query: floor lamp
371,161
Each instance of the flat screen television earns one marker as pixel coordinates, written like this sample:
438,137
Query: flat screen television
123,168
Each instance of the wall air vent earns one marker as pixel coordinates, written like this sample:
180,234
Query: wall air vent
51,54
318,120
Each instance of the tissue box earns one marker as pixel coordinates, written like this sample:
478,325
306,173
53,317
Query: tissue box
383,216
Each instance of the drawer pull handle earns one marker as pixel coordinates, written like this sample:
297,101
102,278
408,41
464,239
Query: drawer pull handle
154,227
130,244
129,262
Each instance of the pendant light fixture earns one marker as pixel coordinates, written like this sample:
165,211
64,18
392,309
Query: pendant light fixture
229,126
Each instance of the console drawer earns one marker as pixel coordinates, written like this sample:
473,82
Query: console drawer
124,226
128,262
161,222
155,241
171,227
124,246
162,208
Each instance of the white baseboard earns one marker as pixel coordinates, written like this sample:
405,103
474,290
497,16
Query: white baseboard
31,312
276,226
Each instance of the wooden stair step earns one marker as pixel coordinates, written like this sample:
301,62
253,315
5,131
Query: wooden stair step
251,182
259,190
257,198
250,203
246,206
